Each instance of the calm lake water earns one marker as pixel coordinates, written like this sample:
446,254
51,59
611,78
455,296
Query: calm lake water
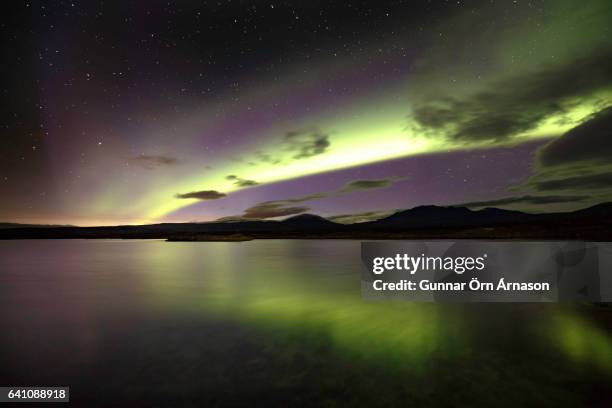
276,323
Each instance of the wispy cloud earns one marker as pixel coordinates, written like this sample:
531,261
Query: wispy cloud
272,210
359,185
526,199
240,182
514,105
280,208
305,144
361,217
203,195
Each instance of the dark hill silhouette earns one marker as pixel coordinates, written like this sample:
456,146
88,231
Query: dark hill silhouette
7,225
431,216
310,221
594,223
603,210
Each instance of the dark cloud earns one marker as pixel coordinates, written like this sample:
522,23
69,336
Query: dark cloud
272,209
280,208
582,182
358,185
301,144
350,187
578,161
308,197
240,182
277,208
232,218
246,183
590,141
572,164
360,217
203,195
515,105
307,144
527,199
153,161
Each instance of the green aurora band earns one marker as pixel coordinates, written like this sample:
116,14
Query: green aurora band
380,124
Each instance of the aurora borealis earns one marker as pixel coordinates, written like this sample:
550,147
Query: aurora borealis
136,112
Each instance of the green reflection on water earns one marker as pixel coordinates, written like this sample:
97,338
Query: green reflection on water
280,285
580,340
370,330
314,287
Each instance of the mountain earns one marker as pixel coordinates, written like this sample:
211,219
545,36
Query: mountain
310,221
431,216
603,210
294,226
8,225
594,223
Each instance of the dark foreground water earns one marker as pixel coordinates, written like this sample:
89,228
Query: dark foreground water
276,323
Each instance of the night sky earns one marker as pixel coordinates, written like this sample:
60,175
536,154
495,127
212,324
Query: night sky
122,112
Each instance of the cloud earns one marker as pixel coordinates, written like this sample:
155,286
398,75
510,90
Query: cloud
358,185
246,183
268,209
515,105
271,209
590,141
308,197
240,182
526,199
578,161
280,208
153,161
361,217
231,218
582,182
300,144
572,170
350,187
203,195
305,144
